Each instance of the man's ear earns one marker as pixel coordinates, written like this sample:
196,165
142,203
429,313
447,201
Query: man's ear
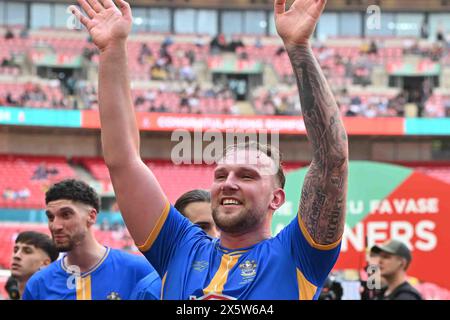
279,197
92,217
404,264
401,262
46,262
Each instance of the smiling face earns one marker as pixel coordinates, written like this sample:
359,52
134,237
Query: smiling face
69,222
245,192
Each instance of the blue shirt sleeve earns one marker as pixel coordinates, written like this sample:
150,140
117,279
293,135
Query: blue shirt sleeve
143,268
314,261
174,232
149,288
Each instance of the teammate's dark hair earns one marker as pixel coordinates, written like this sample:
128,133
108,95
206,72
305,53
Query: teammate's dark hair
196,195
75,190
40,241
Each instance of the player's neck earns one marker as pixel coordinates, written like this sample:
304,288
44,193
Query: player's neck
86,254
250,238
21,284
232,241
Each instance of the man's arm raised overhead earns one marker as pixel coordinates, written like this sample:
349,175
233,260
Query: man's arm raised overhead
322,204
139,195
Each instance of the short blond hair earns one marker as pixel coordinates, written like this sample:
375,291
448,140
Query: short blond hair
269,150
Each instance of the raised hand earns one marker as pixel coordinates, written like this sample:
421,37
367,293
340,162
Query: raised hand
107,23
296,25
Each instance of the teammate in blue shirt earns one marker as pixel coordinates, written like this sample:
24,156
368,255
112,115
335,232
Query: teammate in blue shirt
88,270
32,251
246,263
196,206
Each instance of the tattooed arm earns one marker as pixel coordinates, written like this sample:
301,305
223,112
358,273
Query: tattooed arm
322,204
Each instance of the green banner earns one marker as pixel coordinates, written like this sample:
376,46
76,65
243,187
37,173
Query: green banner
420,126
39,216
39,117
367,180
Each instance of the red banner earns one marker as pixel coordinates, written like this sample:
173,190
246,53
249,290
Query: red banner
417,213
222,123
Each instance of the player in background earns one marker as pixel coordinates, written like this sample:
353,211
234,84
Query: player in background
196,206
32,251
87,270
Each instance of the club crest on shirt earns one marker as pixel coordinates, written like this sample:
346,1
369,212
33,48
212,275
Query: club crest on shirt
248,269
113,296
199,265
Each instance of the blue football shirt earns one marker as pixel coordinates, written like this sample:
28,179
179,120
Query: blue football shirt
192,265
149,288
113,278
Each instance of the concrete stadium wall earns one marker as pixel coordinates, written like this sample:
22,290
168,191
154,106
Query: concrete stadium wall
49,142
87,143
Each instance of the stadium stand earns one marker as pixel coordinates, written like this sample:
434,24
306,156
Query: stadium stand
25,179
348,63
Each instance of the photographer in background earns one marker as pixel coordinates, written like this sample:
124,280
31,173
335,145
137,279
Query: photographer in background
32,251
394,260
332,290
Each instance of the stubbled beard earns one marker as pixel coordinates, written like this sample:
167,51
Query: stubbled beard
241,222
65,247
70,245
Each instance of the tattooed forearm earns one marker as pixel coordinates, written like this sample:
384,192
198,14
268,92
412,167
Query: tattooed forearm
322,205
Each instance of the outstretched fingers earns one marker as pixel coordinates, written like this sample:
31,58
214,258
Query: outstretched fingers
83,19
96,5
279,6
86,7
321,4
107,3
124,8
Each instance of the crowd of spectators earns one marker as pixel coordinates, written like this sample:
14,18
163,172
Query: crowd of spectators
37,95
434,51
372,105
402,104
12,194
276,102
220,44
358,70
185,98
174,63
168,63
